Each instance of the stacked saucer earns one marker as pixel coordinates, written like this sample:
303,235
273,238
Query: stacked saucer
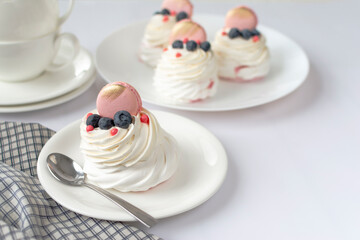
39,66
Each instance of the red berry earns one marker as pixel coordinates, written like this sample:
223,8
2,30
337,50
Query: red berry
165,49
198,42
114,131
165,18
89,128
172,13
211,85
178,55
196,100
88,115
223,33
144,118
255,38
185,40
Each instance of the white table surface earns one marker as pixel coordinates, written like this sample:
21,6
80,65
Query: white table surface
294,164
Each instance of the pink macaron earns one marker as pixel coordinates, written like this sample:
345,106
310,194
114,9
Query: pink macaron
118,96
241,18
178,6
187,29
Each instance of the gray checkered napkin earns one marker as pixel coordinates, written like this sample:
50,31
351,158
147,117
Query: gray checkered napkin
26,210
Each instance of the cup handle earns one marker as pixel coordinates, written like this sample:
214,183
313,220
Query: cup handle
63,18
71,38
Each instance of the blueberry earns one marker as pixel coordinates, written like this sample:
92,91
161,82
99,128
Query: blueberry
191,45
106,123
246,34
122,119
255,32
165,12
157,12
181,15
205,46
234,33
178,44
93,120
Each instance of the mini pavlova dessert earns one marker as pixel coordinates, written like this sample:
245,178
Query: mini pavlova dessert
124,146
187,71
158,30
240,48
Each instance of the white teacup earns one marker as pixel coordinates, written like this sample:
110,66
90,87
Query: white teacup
24,60
28,19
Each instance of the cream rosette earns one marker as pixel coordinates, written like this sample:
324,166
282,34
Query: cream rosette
135,159
156,37
241,59
187,78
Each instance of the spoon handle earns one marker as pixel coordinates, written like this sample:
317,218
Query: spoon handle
137,213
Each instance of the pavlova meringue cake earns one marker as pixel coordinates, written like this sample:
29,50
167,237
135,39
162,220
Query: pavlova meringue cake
124,146
187,71
240,48
159,28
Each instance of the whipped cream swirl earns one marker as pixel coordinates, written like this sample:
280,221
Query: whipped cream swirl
188,78
241,59
135,159
156,37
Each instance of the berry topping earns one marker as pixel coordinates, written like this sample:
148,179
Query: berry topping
181,15
157,12
223,33
165,49
255,32
89,128
178,55
196,100
205,46
246,34
185,40
178,44
113,131
144,118
93,120
211,84
88,115
198,42
255,38
191,45
165,18
172,13
165,12
234,33
106,123
122,119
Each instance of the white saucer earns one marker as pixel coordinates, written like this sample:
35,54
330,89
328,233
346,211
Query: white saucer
52,102
49,85
116,58
201,172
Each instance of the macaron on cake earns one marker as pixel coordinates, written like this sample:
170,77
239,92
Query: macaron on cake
123,144
159,28
187,71
240,48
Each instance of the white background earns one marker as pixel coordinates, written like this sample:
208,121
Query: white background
294,164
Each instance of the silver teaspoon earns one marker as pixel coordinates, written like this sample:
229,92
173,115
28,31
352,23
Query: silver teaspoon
69,172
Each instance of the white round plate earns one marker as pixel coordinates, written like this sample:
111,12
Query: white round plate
49,85
202,169
116,59
52,102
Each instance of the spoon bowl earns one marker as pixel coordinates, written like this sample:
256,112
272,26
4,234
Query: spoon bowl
65,169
